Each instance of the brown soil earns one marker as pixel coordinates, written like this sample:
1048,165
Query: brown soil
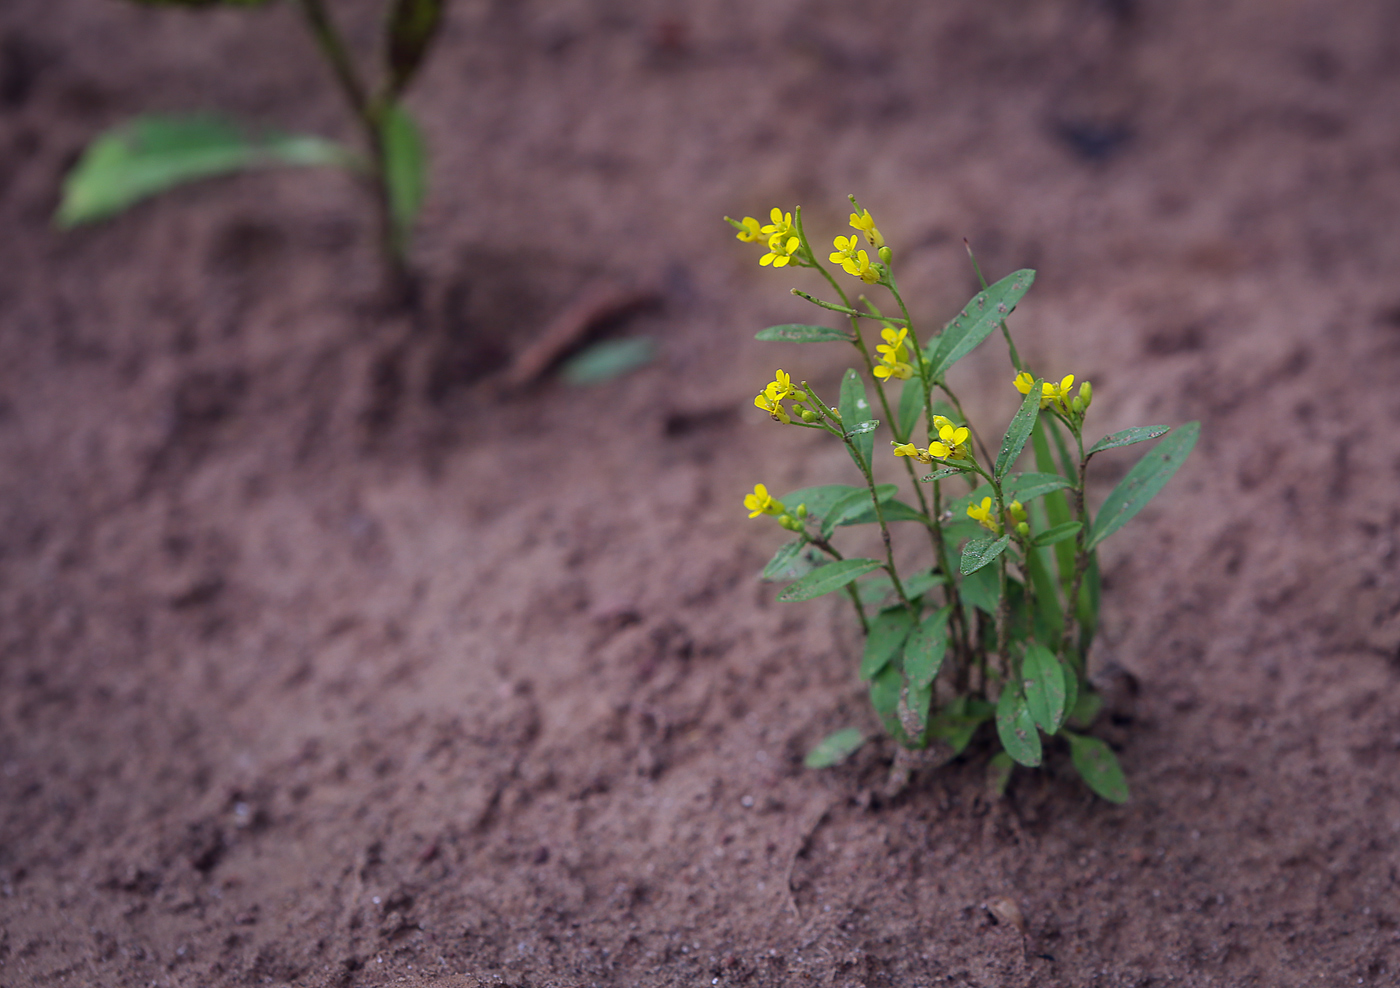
326,663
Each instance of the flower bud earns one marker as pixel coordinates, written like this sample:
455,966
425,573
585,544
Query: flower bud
808,415
1017,511
1086,391
802,511
1077,406
1023,529
789,522
886,254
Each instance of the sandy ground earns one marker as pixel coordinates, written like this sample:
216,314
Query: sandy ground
325,662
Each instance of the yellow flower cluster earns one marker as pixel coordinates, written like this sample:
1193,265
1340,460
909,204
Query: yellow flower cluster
848,254
780,235
777,391
983,515
894,356
951,443
1057,394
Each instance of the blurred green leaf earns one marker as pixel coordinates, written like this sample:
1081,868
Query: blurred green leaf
1098,766
1056,503
885,689
410,31
821,499
794,332
975,323
1127,438
1071,696
831,577
853,504
980,552
999,770
911,404
1016,728
835,748
1023,487
151,154
1086,709
788,563
1143,482
405,168
982,589
1044,680
893,510
921,582
956,723
1019,430
855,409
924,651
887,634
608,359
1057,534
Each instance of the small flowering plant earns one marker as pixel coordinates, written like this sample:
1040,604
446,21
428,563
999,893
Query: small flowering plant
997,626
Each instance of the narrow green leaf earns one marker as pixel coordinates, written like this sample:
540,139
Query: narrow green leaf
1056,503
999,770
819,500
1057,534
876,589
977,320
854,503
1071,697
608,359
788,563
943,473
885,689
412,26
835,748
1143,482
886,638
1089,594
1047,594
863,428
911,405
831,577
1019,430
1128,437
1016,728
855,409
1044,680
1023,487
924,651
1098,766
151,154
980,552
1086,709
405,168
794,332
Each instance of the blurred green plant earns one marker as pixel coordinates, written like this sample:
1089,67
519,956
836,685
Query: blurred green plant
150,154
998,625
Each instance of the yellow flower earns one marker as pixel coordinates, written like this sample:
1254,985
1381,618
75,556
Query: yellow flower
779,251
780,387
781,228
909,449
863,222
760,502
893,368
952,442
773,408
749,231
846,250
893,346
983,515
1049,391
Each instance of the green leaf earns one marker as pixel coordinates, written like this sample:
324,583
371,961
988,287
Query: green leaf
977,320
405,168
1071,696
885,690
852,504
1128,437
924,651
943,473
832,576
834,748
1044,680
911,404
788,563
608,359
794,332
819,500
412,26
1098,766
151,154
1089,595
982,589
999,770
1056,503
980,552
922,582
887,634
893,510
1086,709
863,428
1047,594
1057,534
855,409
1143,482
1019,430
1016,728
875,590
